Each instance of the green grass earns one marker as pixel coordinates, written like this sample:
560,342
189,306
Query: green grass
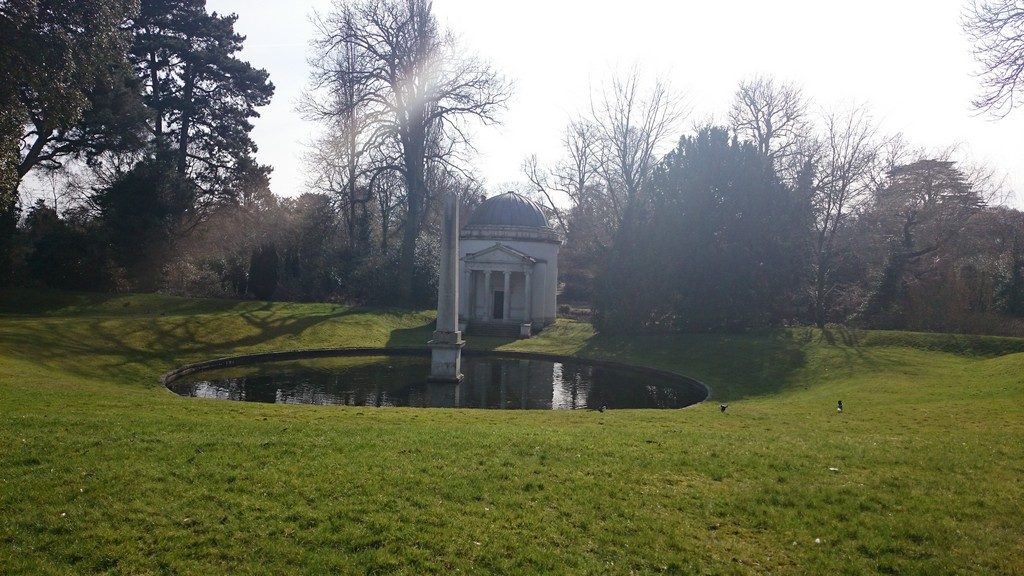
103,471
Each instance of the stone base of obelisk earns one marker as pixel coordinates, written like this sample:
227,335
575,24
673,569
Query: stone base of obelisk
446,357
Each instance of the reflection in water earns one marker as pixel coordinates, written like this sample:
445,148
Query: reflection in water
490,382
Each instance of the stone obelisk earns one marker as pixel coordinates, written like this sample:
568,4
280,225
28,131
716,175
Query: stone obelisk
446,344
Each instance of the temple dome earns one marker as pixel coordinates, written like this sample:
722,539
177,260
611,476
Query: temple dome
508,209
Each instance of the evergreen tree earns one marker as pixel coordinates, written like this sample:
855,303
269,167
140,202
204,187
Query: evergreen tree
202,96
1010,293
65,253
923,206
722,245
140,213
60,60
264,271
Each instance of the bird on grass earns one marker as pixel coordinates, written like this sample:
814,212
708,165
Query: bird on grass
839,407
602,408
722,407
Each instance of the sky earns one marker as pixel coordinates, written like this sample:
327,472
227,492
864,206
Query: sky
908,60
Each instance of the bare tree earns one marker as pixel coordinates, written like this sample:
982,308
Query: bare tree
997,28
339,160
420,92
774,117
578,171
389,194
991,185
335,167
843,175
573,178
542,182
633,124
892,151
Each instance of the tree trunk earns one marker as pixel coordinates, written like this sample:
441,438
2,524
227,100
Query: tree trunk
354,242
32,155
821,285
186,119
415,191
154,79
819,298
410,233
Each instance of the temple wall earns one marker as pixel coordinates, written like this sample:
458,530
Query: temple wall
544,277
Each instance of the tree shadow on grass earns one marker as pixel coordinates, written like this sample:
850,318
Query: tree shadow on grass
734,366
834,335
130,349
420,335
410,337
57,303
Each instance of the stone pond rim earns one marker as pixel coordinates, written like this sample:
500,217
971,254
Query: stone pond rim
311,353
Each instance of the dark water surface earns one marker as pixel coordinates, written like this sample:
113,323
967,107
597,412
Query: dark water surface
490,381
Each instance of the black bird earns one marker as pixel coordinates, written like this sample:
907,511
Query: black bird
722,407
602,408
839,406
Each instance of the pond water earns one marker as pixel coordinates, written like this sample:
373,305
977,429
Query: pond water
490,381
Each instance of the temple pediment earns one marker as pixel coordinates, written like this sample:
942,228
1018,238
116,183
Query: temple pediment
500,254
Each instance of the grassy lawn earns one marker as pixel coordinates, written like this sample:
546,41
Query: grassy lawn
103,471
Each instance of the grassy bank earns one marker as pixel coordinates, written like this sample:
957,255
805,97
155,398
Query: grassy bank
101,470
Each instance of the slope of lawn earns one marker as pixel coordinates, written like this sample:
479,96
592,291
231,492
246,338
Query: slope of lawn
103,471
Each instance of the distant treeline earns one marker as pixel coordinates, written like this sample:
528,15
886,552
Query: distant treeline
780,216
720,242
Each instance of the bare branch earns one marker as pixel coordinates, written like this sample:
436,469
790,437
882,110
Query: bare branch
774,117
634,124
997,29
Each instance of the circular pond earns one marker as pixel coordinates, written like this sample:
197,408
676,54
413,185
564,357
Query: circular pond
490,381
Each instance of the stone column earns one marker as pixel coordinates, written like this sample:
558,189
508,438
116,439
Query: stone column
448,278
528,317
508,296
541,269
464,289
488,308
470,294
446,345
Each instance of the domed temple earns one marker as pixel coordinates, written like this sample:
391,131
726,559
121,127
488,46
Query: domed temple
508,263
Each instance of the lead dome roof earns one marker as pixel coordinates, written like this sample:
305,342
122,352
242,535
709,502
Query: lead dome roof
508,209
